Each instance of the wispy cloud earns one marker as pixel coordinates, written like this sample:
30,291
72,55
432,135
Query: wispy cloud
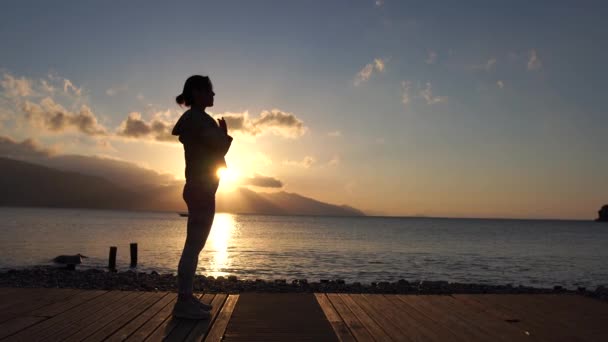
334,134
500,84
405,92
431,58
116,89
534,63
487,66
427,94
335,160
377,65
263,181
379,3
16,86
306,162
68,87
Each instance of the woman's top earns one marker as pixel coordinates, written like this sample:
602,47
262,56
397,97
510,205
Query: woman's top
205,145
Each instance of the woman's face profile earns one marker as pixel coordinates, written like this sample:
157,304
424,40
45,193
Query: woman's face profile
204,97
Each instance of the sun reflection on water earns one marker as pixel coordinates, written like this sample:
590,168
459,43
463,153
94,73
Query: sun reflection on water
220,238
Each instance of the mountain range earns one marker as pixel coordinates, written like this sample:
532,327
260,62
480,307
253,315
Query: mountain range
80,182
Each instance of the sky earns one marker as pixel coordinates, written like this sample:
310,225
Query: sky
467,109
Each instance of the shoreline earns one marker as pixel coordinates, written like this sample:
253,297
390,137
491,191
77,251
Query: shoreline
101,279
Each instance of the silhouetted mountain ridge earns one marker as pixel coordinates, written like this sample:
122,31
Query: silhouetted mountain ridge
30,184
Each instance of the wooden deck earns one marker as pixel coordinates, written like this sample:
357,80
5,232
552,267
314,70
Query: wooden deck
93,315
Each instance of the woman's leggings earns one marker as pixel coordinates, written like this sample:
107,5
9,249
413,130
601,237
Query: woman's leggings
200,199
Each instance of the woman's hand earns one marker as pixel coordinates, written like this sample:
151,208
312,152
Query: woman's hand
223,126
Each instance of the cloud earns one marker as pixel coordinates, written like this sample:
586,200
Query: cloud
335,160
54,117
16,87
334,134
405,91
306,163
500,84
263,181
116,89
27,148
273,121
156,129
377,65
487,66
379,3
68,87
427,94
431,57
534,63
47,87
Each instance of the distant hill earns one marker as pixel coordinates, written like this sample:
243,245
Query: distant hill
29,184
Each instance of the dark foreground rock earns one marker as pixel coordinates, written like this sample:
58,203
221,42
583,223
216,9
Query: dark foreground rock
602,214
153,281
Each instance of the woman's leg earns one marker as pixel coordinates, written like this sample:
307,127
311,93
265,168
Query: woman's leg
201,211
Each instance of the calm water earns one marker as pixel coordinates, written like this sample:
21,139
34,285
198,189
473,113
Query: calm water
538,253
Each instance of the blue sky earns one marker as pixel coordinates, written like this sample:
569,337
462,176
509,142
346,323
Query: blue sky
409,108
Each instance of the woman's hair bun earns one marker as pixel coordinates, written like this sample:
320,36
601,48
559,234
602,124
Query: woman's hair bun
180,99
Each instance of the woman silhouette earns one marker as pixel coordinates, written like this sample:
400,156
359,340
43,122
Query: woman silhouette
206,142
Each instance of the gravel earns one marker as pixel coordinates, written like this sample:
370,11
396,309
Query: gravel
52,277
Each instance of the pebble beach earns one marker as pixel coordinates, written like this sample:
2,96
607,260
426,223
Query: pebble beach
53,277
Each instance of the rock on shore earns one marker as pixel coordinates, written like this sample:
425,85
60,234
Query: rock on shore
153,281
602,214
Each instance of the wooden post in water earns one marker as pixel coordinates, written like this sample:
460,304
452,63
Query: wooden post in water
112,261
133,254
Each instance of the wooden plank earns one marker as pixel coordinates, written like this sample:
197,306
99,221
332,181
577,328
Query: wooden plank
154,322
381,316
184,326
221,322
352,321
17,297
77,299
17,324
97,318
168,326
100,319
149,300
334,318
29,301
416,324
58,322
202,327
370,324
278,316
584,315
128,329
576,314
455,324
536,326
497,328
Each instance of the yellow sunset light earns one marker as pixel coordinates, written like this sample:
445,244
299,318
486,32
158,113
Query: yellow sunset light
228,177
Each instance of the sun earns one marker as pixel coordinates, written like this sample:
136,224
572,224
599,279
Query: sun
228,177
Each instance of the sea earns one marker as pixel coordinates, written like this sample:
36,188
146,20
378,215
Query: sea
540,253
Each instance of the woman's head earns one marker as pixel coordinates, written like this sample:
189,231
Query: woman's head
198,91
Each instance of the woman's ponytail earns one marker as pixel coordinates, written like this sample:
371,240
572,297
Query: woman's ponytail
180,99
195,82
